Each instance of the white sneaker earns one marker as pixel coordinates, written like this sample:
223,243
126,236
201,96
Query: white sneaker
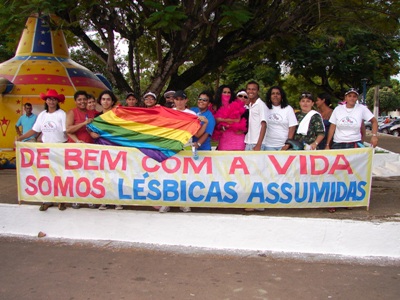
164,209
75,205
103,207
185,209
119,207
91,205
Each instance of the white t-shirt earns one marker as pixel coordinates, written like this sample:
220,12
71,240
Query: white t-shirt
257,114
186,110
348,122
278,122
52,126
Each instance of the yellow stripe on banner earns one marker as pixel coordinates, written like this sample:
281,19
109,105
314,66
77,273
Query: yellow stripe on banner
170,133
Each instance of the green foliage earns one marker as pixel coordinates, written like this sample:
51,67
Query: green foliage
326,45
389,100
166,18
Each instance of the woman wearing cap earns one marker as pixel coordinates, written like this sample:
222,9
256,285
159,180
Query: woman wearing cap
346,121
169,99
310,130
149,100
52,124
231,123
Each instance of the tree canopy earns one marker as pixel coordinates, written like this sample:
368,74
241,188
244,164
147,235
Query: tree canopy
173,44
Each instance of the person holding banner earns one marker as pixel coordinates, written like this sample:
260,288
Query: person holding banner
231,124
77,119
203,142
255,136
52,124
346,121
107,100
180,102
310,131
281,120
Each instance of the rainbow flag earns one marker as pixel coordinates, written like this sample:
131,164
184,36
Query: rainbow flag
158,132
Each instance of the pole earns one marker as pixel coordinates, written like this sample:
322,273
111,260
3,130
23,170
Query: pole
364,84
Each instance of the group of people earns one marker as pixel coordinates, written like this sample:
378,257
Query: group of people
233,121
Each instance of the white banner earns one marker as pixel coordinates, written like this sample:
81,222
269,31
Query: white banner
87,173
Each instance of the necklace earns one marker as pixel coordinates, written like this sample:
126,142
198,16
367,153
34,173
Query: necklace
349,110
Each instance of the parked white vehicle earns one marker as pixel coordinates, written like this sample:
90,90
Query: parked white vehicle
395,130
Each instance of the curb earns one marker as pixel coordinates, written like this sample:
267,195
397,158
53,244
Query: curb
349,238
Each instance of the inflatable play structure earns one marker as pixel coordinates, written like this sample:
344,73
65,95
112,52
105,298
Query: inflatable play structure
41,62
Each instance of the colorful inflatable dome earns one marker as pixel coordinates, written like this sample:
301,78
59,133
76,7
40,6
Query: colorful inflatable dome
41,62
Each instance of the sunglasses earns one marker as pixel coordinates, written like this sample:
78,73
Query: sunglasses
307,95
243,96
203,99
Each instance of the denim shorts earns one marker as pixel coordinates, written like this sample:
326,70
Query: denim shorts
249,147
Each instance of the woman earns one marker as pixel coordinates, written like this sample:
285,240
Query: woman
310,130
231,124
77,119
347,128
346,121
91,103
180,104
323,104
52,124
107,100
281,120
223,96
149,100
131,100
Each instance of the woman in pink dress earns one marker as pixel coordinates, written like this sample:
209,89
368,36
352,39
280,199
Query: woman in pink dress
231,122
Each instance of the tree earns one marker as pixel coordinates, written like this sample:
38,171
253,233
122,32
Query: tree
388,100
176,43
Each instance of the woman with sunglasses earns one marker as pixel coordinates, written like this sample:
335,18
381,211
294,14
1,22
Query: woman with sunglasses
231,123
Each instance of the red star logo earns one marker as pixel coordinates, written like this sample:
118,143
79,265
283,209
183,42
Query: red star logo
4,121
33,89
18,101
18,111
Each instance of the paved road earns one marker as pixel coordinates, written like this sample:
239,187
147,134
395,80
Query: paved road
59,269
40,270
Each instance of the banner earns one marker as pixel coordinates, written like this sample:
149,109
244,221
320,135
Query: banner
88,173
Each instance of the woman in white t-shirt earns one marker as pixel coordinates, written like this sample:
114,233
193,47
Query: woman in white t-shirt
52,124
346,121
281,120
